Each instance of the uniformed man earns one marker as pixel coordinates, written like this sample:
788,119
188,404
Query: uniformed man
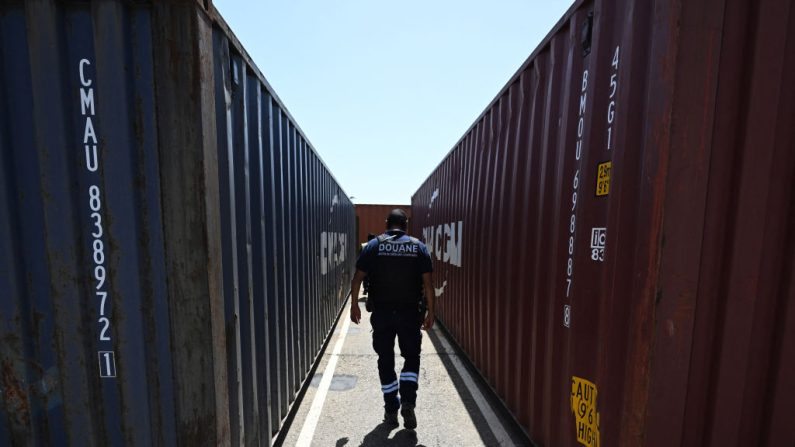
399,269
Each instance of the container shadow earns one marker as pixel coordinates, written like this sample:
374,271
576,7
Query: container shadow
487,436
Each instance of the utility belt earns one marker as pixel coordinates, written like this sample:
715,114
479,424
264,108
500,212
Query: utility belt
374,304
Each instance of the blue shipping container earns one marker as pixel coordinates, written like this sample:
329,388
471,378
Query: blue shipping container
173,251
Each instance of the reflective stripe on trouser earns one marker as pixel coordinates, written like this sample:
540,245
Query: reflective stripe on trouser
405,325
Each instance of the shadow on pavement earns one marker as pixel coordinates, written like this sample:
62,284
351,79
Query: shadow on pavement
379,436
486,435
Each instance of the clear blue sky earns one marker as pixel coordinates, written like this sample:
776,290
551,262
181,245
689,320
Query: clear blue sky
383,90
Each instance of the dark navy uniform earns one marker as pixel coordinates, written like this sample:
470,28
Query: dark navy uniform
394,263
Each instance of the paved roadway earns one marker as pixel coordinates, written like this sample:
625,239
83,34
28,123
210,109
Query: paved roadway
344,407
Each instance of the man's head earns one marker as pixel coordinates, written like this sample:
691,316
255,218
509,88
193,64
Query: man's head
397,220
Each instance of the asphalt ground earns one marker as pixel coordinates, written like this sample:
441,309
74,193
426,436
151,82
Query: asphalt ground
346,408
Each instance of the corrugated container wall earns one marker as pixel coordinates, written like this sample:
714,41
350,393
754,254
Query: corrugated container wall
173,252
613,236
371,219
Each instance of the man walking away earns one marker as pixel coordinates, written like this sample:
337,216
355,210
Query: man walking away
399,270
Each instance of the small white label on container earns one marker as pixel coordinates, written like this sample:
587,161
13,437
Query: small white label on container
107,364
598,244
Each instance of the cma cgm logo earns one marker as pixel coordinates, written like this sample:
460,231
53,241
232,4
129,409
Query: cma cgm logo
333,247
445,242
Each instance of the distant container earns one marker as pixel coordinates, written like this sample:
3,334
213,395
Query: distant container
614,236
372,219
173,252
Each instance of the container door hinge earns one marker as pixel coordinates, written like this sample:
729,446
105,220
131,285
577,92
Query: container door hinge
586,33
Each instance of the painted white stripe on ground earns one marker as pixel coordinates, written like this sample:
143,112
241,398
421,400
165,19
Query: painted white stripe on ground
310,423
492,419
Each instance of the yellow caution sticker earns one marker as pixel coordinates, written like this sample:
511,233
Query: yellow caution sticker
583,405
603,178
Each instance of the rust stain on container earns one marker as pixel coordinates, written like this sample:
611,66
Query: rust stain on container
624,213
14,397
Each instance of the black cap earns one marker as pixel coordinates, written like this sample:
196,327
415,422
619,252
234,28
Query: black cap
397,216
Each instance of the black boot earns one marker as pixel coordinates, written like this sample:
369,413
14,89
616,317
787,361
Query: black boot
391,418
409,419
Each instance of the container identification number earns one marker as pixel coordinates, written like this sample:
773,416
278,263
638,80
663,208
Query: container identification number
575,183
107,359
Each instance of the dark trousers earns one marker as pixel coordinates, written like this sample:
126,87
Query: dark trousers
405,325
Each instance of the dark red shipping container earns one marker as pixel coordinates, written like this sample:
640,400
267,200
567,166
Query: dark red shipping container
613,236
372,218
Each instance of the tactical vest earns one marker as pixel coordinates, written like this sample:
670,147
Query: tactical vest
396,278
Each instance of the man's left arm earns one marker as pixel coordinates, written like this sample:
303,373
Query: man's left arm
426,267
427,283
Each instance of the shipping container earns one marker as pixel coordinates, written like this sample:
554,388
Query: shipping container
173,251
613,237
371,219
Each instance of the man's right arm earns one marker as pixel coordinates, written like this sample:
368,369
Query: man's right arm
356,283
362,265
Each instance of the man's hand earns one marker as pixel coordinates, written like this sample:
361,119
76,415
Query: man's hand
356,312
428,323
